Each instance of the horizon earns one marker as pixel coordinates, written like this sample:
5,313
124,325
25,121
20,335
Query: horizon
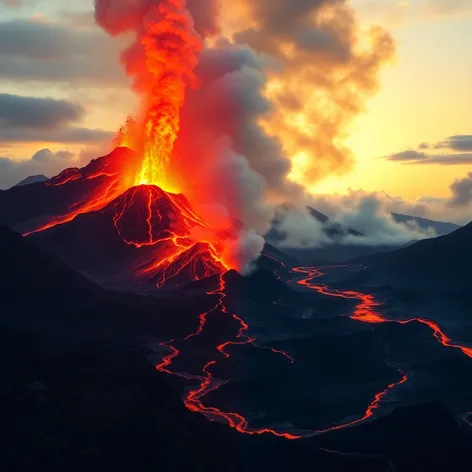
234,225
411,147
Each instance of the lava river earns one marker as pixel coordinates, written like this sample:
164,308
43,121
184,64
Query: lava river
365,312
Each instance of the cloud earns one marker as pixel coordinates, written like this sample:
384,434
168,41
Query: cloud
298,229
245,249
460,142
43,161
456,208
42,51
459,145
368,214
274,103
38,113
315,50
69,135
30,119
462,192
407,156
46,155
445,7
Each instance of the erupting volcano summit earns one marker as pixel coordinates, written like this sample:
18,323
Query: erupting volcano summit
140,191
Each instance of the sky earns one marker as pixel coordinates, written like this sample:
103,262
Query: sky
63,95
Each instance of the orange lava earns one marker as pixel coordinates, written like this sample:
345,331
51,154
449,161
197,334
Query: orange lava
365,310
193,400
162,65
146,216
207,383
88,203
171,47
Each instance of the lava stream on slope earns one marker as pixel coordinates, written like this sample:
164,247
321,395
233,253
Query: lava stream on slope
193,399
366,312
172,245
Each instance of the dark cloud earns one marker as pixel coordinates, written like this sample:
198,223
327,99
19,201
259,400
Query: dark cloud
460,142
462,192
51,52
460,147
44,162
449,159
69,135
407,156
118,16
37,113
29,119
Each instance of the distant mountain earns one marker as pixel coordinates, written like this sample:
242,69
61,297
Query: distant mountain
333,230
321,217
442,263
32,179
441,228
338,251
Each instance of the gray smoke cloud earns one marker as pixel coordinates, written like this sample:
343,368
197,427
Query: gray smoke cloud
462,192
273,106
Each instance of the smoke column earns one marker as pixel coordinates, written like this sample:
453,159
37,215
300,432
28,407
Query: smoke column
161,60
253,116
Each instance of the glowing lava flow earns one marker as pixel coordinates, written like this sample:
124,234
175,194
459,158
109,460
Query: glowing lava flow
207,383
146,216
165,68
101,199
365,310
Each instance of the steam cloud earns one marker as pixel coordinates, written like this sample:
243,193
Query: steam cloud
273,105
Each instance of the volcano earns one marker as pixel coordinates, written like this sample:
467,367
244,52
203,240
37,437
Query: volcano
114,233
119,235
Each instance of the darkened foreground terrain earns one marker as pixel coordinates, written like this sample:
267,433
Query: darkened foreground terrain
77,393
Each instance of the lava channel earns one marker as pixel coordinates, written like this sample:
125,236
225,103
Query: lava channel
193,399
366,311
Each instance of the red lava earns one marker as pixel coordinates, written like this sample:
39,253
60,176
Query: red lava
193,398
366,312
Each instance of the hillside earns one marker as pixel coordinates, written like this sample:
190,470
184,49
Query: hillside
441,263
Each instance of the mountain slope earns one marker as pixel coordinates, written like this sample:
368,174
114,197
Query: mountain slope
28,208
441,263
77,394
118,235
441,228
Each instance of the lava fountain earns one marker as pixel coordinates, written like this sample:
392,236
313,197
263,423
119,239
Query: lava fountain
162,61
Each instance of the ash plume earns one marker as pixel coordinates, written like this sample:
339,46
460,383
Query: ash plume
268,106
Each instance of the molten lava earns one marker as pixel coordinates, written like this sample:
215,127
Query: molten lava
365,312
162,62
170,49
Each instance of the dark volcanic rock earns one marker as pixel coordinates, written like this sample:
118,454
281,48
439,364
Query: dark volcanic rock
437,264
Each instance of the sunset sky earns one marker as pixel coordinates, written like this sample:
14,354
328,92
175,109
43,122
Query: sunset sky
50,48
